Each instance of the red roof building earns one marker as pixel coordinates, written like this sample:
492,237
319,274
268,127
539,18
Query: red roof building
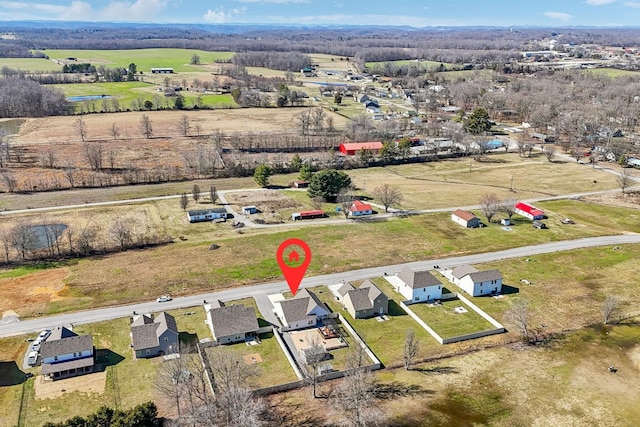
352,148
528,211
359,208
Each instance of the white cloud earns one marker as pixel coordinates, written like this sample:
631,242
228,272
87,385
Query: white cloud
560,16
219,16
137,10
274,1
599,2
345,19
633,4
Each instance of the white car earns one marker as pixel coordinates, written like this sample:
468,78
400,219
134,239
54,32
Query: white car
44,335
33,358
164,298
36,345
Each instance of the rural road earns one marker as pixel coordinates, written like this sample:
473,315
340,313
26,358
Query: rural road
101,314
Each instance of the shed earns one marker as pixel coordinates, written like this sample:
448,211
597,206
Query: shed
352,148
249,210
528,211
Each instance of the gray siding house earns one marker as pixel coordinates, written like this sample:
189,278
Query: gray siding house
365,301
153,337
232,323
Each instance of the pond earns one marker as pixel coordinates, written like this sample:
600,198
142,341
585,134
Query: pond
10,127
81,98
39,234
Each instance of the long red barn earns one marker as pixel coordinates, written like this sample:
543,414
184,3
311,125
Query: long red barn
528,211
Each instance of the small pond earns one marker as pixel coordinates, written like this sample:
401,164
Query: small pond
39,233
81,98
10,127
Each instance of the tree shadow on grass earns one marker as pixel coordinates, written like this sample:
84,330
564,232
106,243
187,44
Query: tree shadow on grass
394,390
437,370
10,374
286,414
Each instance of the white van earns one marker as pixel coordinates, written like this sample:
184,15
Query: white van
33,358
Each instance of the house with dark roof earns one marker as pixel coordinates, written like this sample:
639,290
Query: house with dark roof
67,354
365,301
418,286
465,218
232,323
360,208
474,282
152,337
304,310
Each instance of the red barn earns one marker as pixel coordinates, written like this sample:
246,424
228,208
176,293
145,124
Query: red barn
353,148
528,211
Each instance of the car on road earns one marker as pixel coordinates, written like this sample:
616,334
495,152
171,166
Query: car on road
33,358
164,298
44,335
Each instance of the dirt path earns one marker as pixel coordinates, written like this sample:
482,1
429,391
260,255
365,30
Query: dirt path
29,294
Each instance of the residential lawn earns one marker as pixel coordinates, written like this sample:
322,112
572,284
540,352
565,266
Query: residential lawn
446,322
191,323
385,339
129,382
32,65
145,59
12,379
274,368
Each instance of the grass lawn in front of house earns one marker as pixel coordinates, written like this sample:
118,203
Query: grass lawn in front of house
444,320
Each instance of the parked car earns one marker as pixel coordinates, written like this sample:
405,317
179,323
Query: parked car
164,298
36,345
44,335
33,358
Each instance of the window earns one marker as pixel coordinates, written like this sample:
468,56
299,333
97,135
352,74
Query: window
166,339
148,352
416,298
55,358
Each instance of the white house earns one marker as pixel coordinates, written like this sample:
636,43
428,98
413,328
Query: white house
207,215
417,286
304,310
474,282
360,208
66,354
465,218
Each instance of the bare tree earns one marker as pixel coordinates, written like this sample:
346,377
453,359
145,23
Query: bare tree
23,238
69,172
625,179
121,232
410,349
388,196
490,204
312,357
508,206
195,192
184,125
5,238
213,194
354,401
80,126
316,202
609,307
549,151
184,201
146,127
115,131
9,180
48,159
518,315
93,153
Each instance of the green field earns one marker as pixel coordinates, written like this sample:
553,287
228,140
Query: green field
611,72
145,59
447,323
126,92
32,65
428,65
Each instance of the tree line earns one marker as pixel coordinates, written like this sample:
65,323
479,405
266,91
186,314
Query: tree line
25,98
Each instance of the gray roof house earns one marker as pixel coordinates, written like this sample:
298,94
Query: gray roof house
232,323
67,354
418,286
366,301
475,282
153,337
302,311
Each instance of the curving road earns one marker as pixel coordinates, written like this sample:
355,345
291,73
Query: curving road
101,314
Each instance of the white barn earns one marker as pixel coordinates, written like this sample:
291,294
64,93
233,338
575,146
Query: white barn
465,218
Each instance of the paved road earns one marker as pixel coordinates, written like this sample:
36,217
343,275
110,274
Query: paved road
97,315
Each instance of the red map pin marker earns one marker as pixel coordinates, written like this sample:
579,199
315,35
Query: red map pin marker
292,263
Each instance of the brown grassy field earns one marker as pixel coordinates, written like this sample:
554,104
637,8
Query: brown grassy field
60,129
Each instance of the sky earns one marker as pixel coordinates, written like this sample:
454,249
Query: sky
414,13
